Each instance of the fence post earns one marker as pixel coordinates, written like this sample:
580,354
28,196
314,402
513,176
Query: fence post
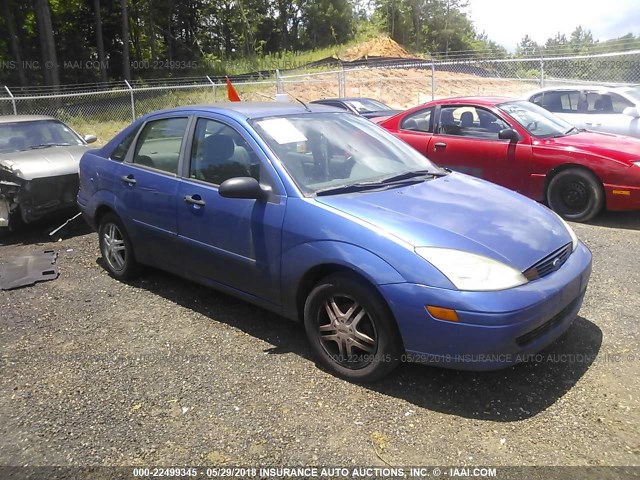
279,85
133,105
13,100
213,85
342,83
541,72
433,80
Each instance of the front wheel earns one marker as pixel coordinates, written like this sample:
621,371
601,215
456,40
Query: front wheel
351,330
116,248
575,194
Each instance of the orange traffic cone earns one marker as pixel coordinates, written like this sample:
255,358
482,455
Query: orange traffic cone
231,92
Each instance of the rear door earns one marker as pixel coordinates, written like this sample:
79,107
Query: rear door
604,113
147,185
466,140
230,241
416,129
571,105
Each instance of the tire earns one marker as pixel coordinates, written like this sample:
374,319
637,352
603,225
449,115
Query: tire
116,248
575,195
360,341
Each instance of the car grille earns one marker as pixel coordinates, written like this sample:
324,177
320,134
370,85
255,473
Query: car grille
547,326
549,264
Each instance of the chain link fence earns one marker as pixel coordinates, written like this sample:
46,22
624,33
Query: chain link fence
106,108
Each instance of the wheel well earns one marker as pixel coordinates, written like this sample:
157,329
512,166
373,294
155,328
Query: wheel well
311,279
101,211
553,172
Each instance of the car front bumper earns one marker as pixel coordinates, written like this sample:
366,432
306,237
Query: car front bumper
622,197
495,329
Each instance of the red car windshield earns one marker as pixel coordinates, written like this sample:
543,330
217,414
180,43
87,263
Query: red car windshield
536,120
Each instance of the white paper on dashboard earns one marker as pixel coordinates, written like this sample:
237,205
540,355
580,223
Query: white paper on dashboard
282,130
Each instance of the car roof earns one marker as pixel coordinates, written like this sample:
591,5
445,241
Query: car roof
23,118
484,101
583,87
248,110
347,99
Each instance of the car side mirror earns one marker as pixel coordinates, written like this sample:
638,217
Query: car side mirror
90,138
509,134
241,187
632,112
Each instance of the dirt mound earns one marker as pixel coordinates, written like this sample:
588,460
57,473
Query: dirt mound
376,47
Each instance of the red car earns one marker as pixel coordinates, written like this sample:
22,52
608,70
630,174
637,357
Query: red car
524,147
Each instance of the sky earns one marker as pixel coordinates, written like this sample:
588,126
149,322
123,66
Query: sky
506,22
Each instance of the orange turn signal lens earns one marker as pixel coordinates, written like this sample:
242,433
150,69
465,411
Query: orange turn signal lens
442,313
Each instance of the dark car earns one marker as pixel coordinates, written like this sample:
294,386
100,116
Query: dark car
365,107
323,217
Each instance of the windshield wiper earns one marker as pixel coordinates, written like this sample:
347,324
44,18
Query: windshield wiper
46,145
563,134
410,175
354,187
402,179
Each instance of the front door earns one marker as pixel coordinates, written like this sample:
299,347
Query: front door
466,140
234,242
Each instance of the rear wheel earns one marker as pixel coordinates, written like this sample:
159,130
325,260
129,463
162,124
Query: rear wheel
351,330
116,248
575,194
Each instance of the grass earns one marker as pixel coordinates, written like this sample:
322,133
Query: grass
284,60
107,122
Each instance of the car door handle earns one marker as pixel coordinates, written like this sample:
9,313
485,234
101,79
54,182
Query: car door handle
440,145
129,179
593,124
195,200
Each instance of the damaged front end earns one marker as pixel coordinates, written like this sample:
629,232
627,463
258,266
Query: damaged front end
33,199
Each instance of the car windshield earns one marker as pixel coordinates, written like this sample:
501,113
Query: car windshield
536,120
365,105
324,152
17,136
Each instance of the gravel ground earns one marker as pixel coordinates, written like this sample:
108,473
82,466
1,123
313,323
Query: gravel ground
161,371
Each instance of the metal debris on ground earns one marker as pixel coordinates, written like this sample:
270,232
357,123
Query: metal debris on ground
51,234
28,269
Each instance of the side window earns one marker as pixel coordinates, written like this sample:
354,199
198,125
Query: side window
472,122
421,121
121,150
570,102
219,153
556,101
159,144
607,103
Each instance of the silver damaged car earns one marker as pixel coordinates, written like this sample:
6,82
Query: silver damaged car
39,159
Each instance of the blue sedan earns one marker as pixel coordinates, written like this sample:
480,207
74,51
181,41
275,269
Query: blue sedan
324,218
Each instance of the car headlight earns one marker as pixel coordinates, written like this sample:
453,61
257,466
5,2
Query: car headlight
574,238
471,272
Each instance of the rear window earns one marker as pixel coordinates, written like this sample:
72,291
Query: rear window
120,152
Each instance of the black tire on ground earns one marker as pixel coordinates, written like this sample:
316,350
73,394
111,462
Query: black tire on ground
351,329
116,248
575,194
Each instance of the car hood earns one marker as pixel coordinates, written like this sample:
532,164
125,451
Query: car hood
44,162
618,147
464,213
